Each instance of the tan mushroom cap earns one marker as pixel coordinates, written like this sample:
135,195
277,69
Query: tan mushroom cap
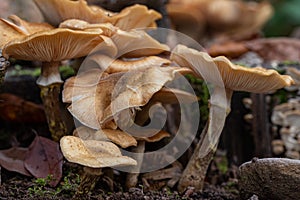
54,45
18,28
135,89
235,77
118,137
133,43
110,65
155,138
136,16
90,101
93,153
30,27
91,96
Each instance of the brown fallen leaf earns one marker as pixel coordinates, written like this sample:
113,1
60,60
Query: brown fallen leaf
229,49
17,110
280,49
44,158
13,160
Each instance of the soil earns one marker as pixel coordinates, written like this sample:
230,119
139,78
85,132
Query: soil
16,186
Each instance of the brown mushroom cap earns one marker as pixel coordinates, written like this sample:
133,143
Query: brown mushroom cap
91,95
18,28
118,137
110,65
133,43
54,45
136,16
93,153
155,138
235,77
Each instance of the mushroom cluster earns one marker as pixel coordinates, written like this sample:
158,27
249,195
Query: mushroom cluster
64,40
286,116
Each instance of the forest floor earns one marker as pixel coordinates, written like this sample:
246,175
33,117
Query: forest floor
16,186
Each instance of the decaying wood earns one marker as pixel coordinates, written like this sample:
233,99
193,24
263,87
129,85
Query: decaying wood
270,178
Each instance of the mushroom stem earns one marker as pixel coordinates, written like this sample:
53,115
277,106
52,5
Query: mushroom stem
88,180
50,91
132,178
195,171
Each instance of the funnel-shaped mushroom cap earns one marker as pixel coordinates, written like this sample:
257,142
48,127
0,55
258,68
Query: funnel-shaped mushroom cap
54,45
92,101
18,28
137,16
135,89
110,65
235,77
89,98
133,43
93,153
118,137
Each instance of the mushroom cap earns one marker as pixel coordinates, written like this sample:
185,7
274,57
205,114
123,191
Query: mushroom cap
89,101
54,45
136,16
235,77
155,138
92,97
136,88
18,28
118,137
93,153
109,65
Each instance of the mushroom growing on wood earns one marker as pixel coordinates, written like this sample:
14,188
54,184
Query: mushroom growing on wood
94,155
50,47
225,77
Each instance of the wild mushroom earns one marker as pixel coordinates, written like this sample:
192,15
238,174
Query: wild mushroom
110,65
225,77
50,47
110,98
12,30
136,16
130,44
94,155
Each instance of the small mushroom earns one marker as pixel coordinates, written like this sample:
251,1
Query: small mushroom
225,77
94,155
51,47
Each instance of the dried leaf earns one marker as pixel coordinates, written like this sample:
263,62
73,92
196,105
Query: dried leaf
17,110
44,158
13,160
230,49
280,49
